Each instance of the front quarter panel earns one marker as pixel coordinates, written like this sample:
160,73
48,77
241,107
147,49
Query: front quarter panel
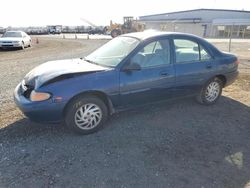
106,82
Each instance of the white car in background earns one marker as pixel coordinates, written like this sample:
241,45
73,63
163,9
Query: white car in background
15,39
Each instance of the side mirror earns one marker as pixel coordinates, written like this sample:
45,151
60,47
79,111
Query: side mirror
132,67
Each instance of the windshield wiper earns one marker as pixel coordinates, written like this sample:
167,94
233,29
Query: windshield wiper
92,62
89,61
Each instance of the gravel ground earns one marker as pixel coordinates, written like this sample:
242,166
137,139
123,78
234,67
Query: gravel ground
174,144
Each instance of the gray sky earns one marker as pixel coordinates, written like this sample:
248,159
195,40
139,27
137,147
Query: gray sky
69,12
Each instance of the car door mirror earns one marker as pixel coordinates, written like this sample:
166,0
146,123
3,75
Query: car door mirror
132,67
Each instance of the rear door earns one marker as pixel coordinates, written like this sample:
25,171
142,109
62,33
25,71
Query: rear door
155,79
193,64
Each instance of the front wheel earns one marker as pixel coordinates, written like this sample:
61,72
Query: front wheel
86,114
211,92
22,46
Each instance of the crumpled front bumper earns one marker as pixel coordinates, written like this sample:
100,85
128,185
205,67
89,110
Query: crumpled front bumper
44,111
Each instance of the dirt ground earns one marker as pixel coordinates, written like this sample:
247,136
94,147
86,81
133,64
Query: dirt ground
174,144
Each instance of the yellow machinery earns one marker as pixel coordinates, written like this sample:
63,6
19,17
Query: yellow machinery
129,25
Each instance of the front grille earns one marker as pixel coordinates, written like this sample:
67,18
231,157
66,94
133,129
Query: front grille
7,45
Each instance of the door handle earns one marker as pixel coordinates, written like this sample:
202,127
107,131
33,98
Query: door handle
209,66
164,74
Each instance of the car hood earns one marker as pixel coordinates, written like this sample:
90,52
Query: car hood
54,69
3,39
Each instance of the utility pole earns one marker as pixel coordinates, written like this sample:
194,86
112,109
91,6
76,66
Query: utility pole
230,38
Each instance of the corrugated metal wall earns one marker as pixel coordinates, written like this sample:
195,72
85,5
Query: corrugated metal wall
201,22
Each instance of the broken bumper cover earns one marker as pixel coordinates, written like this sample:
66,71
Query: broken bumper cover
44,111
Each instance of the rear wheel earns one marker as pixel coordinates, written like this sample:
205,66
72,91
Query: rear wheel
30,43
86,114
211,92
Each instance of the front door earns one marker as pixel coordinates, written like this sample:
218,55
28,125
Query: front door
156,78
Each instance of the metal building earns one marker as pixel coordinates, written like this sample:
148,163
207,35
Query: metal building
202,22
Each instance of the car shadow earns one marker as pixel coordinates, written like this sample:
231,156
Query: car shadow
177,144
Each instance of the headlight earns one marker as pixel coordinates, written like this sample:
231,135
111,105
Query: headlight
39,96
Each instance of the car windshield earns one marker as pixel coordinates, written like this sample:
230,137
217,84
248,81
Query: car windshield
113,52
12,34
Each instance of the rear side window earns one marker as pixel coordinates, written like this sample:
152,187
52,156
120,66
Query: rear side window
189,51
204,54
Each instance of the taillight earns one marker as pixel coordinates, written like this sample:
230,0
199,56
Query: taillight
237,62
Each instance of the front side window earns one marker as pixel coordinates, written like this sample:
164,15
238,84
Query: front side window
113,52
154,54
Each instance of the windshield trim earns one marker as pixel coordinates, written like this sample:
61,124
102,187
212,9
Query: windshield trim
132,37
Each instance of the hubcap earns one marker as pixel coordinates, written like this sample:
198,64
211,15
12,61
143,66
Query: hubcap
212,92
88,116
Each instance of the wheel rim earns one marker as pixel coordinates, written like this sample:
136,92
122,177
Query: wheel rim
212,91
88,116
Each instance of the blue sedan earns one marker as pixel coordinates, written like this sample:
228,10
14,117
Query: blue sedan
130,70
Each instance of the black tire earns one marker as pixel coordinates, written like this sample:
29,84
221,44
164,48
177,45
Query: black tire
202,97
74,107
115,33
30,44
22,47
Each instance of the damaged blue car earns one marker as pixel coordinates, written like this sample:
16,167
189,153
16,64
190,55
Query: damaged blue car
130,70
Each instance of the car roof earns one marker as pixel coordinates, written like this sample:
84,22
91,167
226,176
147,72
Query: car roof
149,34
152,33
